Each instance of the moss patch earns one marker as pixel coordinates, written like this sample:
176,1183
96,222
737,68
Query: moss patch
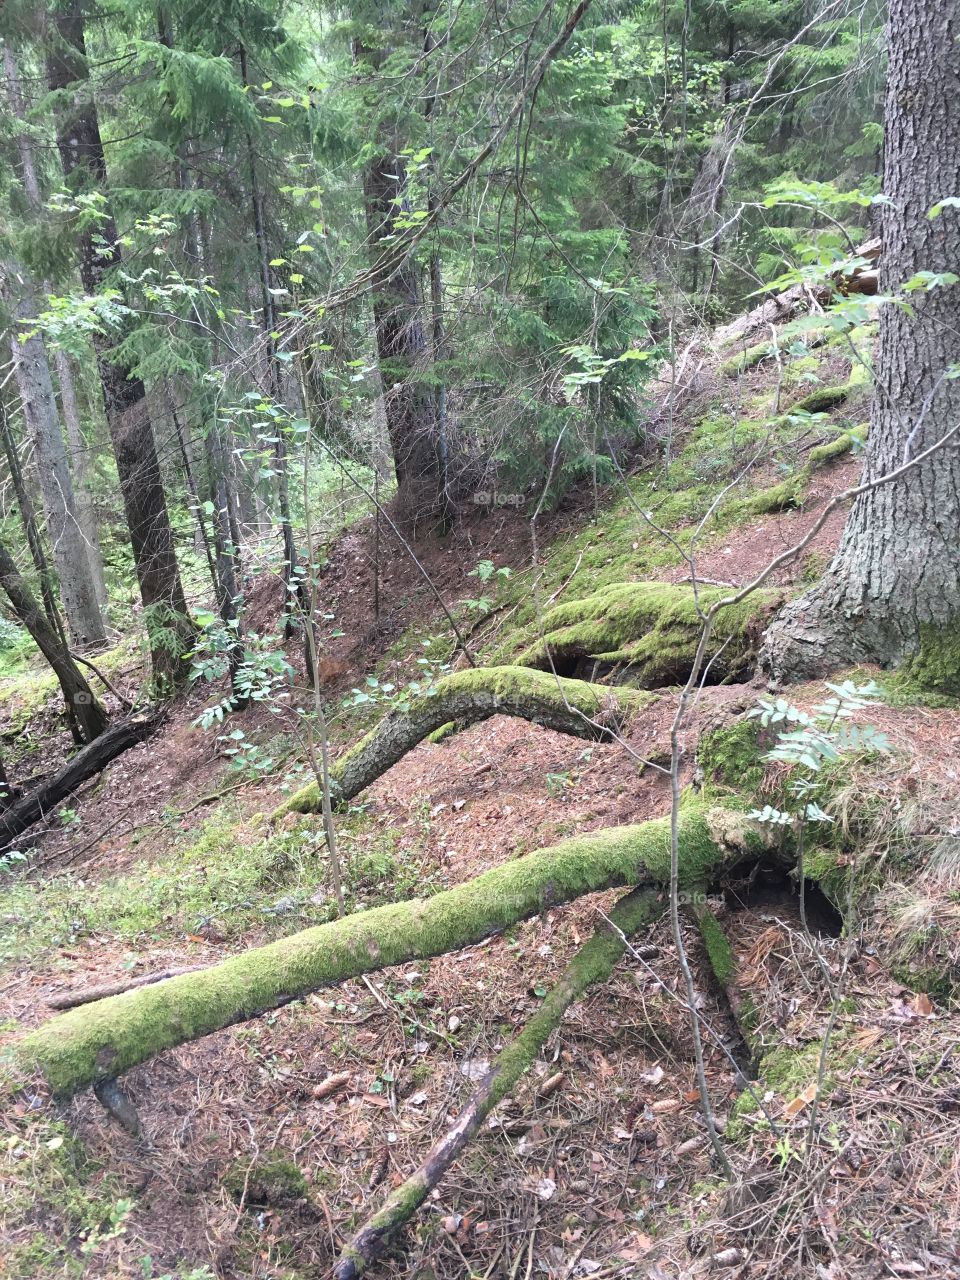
273,1180
719,952
653,629
731,759
841,445
936,667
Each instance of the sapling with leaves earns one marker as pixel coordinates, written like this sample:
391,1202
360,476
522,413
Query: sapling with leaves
818,738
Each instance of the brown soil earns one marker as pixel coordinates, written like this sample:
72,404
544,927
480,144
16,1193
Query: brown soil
611,1174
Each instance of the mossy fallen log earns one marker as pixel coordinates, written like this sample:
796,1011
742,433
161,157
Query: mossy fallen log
99,1041
652,629
463,699
593,963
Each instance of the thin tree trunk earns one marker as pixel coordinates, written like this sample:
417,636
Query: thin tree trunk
269,328
83,501
131,432
31,528
82,488
67,543
893,588
79,697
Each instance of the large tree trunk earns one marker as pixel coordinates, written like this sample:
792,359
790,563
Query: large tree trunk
67,543
124,395
80,700
403,352
892,593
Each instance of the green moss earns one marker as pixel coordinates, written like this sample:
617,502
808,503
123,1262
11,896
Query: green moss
785,496
445,731
106,1038
274,1180
938,982
823,399
748,359
731,759
719,952
936,667
842,444
653,629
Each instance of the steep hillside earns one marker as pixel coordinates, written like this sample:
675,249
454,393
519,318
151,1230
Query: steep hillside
823,954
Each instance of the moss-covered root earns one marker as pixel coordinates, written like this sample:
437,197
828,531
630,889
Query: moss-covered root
101,1040
652,628
465,698
723,964
593,963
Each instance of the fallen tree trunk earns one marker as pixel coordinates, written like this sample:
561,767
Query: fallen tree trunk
593,963
98,1041
467,697
88,762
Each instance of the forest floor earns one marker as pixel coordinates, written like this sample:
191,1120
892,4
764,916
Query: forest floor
263,1145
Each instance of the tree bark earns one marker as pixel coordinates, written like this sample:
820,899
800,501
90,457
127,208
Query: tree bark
131,432
99,1041
585,710
93,759
403,352
80,699
67,543
892,593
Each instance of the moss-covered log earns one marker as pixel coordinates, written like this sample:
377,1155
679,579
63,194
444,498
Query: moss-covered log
593,963
652,629
466,698
98,1041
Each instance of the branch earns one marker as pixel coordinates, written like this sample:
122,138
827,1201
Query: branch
593,963
99,1041
576,707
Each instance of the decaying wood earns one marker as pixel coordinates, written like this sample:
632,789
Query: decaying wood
91,760
593,963
73,999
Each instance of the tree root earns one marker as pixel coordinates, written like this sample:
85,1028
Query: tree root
594,962
101,1040
465,698
652,629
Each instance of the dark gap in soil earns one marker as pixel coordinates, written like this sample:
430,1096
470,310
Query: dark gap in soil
575,666
769,887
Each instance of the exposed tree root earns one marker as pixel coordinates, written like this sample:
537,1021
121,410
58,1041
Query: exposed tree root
94,758
652,629
99,1041
465,698
594,962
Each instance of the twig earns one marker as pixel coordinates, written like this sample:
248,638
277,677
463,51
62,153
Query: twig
592,963
73,999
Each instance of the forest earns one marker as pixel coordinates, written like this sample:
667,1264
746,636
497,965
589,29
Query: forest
480,639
